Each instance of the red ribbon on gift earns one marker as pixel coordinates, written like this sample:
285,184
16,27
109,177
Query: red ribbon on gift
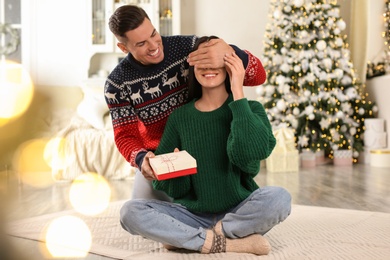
168,160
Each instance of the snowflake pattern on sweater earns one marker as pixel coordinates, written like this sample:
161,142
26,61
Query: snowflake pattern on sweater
141,98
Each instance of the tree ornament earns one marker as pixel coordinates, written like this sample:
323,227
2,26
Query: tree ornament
260,90
309,110
321,45
285,68
277,59
296,111
324,123
305,65
339,73
351,93
269,90
341,25
327,63
277,14
346,80
281,105
340,115
303,141
298,3
352,131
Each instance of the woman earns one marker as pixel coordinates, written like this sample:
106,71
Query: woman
221,208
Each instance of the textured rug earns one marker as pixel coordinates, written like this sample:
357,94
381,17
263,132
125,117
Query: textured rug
308,233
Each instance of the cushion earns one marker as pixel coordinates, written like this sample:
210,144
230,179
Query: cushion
93,107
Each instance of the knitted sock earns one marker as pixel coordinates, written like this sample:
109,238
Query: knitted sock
208,246
255,244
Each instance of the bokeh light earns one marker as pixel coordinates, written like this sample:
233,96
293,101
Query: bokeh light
30,165
54,153
90,194
16,90
68,236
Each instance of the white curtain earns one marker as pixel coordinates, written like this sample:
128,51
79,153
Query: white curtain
359,36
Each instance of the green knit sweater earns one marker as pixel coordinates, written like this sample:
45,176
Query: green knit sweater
227,143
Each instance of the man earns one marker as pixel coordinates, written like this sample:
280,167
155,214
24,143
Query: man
150,83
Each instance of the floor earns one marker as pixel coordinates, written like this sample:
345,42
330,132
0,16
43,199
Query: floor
359,187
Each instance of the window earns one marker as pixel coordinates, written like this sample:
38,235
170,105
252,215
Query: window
10,16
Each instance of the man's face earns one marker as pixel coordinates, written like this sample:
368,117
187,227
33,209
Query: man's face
144,43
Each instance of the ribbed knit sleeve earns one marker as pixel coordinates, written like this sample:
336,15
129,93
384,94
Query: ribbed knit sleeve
251,138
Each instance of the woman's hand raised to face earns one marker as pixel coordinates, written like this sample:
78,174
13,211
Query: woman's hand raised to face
236,71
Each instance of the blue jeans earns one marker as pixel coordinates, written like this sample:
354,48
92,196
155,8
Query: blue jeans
172,224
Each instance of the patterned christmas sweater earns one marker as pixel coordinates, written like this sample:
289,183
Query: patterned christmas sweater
140,98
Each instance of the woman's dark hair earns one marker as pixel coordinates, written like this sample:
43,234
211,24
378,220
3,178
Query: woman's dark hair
126,18
194,87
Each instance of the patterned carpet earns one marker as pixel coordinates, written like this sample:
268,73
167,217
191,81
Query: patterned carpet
308,233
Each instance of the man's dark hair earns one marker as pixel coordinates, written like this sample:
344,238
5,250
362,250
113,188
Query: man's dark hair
126,18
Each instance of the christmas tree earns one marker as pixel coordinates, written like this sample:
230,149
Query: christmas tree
311,84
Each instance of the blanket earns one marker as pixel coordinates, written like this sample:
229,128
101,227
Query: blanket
87,149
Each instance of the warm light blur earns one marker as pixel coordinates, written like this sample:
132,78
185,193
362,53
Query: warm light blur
54,153
90,194
30,165
16,91
68,236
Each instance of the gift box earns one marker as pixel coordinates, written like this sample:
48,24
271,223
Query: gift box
375,140
342,158
375,136
172,165
308,159
284,157
380,158
374,124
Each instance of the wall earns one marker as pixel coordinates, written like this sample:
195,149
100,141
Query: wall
55,32
239,22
